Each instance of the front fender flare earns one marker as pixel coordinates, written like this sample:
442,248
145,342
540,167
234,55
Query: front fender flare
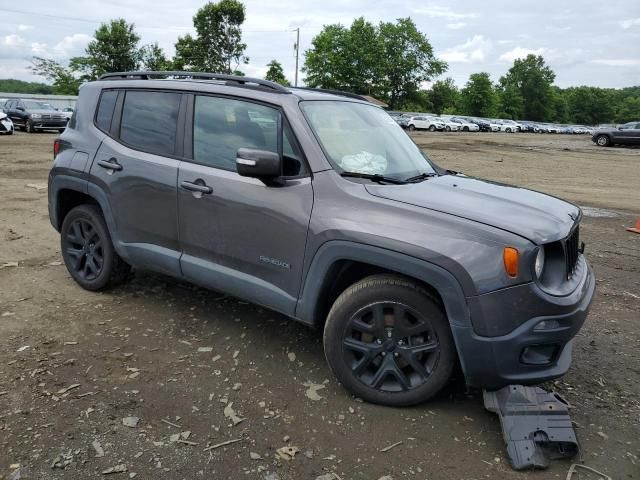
336,250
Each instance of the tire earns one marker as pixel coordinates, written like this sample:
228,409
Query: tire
28,126
432,128
87,250
61,130
412,128
400,368
508,130
448,129
603,140
465,129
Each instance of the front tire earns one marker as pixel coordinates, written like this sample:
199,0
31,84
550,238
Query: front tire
603,140
432,128
87,250
412,128
28,127
388,341
448,129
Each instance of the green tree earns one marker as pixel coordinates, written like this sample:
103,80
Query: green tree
113,49
408,59
444,96
65,80
276,74
478,97
217,46
531,80
152,57
560,106
19,86
389,61
511,102
591,105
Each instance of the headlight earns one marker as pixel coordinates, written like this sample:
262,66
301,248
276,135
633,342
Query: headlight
35,115
539,265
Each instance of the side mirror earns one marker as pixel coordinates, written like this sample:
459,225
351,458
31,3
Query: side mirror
258,163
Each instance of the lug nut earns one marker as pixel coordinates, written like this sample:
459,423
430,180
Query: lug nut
378,341
384,354
396,354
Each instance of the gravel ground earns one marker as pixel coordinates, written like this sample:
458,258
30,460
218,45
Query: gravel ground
149,380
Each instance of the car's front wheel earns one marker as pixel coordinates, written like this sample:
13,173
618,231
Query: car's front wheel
28,127
87,249
447,128
388,341
432,128
412,128
603,140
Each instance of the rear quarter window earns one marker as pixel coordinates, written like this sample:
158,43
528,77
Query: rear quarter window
106,106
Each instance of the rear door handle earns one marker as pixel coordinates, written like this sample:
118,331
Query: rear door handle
111,164
197,187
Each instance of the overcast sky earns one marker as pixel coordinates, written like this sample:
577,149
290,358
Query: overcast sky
585,42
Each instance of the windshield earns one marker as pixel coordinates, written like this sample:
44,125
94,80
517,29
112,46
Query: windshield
364,139
32,105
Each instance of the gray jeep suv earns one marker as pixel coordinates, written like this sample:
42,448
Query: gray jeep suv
317,205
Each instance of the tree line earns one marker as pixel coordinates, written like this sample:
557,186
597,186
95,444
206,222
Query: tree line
392,61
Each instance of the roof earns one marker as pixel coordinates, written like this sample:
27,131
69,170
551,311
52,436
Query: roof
375,101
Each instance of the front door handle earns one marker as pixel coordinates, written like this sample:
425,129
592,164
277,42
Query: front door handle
197,186
111,164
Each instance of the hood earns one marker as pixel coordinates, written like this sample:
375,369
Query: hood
40,111
536,216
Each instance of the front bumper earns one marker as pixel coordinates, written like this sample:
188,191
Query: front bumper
525,355
45,124
6,126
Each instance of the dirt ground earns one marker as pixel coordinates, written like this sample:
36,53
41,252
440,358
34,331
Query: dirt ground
74,364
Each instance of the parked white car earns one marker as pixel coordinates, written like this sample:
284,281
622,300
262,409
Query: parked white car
465,125
424,122
449,125
67,112
6,125
508,126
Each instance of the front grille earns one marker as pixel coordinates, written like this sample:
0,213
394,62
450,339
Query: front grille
572,250
47,116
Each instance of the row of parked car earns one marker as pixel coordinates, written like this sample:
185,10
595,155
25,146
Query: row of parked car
473,124
31,115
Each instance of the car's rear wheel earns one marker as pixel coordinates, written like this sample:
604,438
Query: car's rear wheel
87,249
465,129
388,341
447,128
432,128
412,128
603,140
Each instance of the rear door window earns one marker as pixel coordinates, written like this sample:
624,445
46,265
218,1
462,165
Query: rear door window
150,121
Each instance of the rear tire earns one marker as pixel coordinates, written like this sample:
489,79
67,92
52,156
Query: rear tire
447,128
412,128
87,250
603,140
388,341
432,128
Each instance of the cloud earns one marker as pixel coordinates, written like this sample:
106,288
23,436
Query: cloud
456,26
629,22
472,51
520,52
441,12
618,62
24,28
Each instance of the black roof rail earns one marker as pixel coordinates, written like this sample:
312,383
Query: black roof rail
233,80
334,92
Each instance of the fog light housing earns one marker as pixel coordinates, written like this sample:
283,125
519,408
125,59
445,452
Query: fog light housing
539,354
547,325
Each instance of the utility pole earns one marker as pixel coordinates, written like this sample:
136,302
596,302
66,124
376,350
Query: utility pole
295,83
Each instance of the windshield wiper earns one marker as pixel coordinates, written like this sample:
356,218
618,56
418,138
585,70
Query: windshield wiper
421,177
376,177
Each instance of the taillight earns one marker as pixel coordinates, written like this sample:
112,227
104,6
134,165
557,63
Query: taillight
56,148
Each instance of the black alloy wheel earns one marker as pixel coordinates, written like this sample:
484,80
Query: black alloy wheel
388,341
84,248
390,347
